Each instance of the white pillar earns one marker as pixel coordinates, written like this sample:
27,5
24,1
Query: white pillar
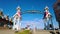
14,21
19,24
33,28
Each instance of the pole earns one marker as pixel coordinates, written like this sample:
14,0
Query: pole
33,28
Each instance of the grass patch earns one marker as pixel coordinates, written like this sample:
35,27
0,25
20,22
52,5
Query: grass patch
24,32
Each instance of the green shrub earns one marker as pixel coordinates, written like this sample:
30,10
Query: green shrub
24,32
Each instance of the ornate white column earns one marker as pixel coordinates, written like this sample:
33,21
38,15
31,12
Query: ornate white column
17,16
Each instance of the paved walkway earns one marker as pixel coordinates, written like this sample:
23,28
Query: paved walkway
2,31
41,32
6,32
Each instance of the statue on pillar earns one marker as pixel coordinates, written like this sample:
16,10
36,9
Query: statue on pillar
47,18
16,20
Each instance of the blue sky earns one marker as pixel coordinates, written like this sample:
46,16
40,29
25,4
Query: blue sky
9,8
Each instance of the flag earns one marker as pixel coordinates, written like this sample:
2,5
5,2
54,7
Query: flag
18,13
47,13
